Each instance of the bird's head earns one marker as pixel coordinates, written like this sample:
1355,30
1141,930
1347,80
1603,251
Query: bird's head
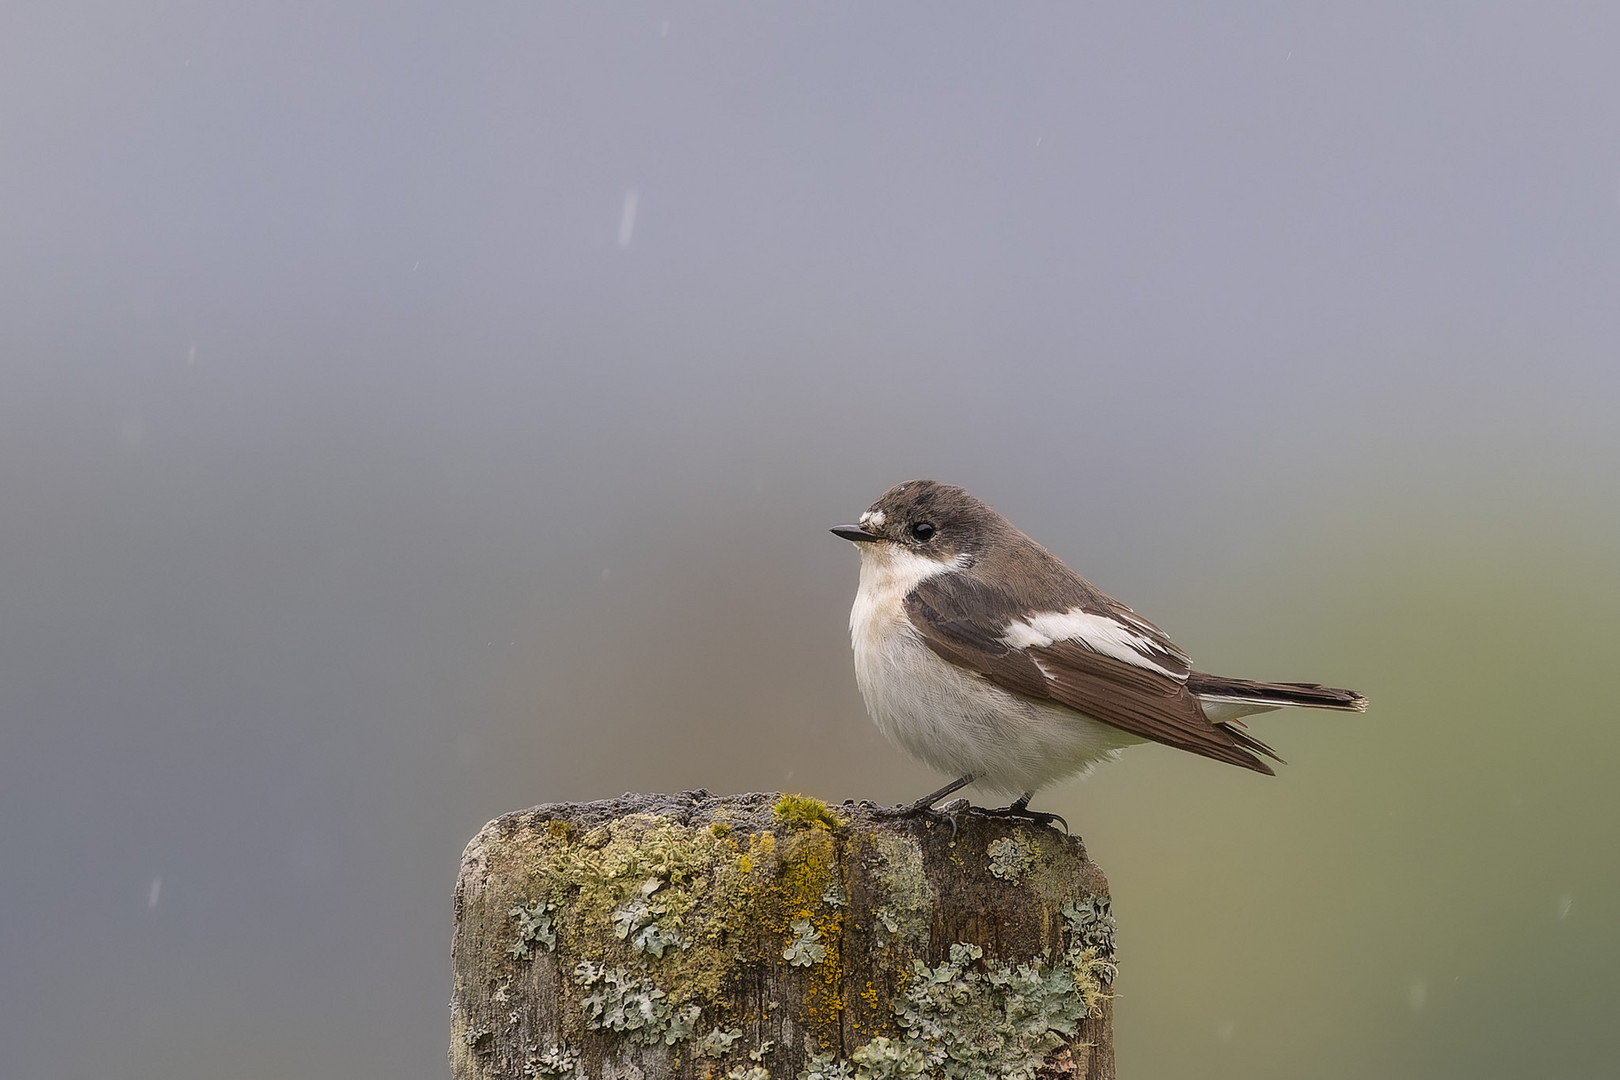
925,519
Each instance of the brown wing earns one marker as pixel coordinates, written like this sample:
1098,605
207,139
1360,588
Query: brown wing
1141,700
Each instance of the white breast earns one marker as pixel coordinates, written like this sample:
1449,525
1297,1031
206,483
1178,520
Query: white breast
951,718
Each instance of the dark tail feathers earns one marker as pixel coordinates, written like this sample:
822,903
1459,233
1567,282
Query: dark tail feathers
1310,695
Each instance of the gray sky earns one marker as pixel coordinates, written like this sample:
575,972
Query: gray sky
409,414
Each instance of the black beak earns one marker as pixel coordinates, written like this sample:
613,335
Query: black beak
856,533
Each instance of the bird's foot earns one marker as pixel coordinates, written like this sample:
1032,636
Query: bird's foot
1020,809
922,808
924,805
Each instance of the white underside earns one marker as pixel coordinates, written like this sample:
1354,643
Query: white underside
954,720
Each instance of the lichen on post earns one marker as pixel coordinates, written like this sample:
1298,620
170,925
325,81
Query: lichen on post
753,937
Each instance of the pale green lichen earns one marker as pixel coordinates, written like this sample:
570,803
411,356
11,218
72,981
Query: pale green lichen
996,1024
827,1067
627,1003
1090,923
560,1060
884,1058
635,922
717,1043
805,949
972,1018
626,892
534,926
751,1072
1010,857
910,897
649,915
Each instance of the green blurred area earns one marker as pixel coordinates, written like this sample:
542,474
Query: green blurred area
1428,890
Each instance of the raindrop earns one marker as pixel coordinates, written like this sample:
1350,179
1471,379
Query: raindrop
627,217
1418,995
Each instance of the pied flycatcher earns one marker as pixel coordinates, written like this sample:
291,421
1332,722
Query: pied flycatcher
979,652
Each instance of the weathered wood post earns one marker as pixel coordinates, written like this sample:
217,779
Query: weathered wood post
761,936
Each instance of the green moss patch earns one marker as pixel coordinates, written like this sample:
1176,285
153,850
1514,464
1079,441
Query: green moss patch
803,812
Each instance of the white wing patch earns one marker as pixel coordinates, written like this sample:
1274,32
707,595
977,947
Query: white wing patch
1099,633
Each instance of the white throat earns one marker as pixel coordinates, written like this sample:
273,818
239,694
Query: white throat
888,573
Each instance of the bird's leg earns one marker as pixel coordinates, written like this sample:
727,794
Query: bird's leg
927,801
1020,809
925,804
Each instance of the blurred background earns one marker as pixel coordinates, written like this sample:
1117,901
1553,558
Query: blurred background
411,413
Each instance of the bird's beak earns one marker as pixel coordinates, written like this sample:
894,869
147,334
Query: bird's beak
856,533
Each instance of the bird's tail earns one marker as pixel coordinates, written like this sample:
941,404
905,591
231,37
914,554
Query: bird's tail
1224,701
1248,696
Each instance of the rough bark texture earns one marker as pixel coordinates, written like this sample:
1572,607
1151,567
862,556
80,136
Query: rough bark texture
756,936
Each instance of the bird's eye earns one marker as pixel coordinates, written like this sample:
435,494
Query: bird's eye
922,530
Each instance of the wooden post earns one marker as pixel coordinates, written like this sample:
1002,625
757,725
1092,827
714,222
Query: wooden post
761,936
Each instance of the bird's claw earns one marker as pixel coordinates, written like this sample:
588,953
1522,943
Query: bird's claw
1040,817
922,808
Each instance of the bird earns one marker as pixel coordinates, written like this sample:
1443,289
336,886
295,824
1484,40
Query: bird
981,653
